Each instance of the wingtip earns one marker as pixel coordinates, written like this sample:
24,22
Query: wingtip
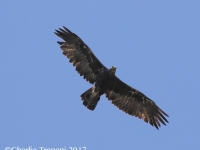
68,30
60,43
55,33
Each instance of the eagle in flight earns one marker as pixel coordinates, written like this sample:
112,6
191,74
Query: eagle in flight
126,98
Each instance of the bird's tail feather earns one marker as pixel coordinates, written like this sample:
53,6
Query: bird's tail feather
91,97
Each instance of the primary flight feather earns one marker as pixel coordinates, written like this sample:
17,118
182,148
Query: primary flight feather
105,81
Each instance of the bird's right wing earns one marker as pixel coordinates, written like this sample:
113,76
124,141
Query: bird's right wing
79,54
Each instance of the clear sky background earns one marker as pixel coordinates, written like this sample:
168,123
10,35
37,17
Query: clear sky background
155,46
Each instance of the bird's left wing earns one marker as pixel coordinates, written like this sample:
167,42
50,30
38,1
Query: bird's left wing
134,102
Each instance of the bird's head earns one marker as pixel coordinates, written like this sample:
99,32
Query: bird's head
112,70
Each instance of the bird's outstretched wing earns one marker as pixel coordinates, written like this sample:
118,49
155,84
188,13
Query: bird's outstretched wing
135,103
79,54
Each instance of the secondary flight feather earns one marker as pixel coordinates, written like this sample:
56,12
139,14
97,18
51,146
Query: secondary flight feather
123,96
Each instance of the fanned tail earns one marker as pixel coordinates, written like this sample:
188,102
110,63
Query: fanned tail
91,97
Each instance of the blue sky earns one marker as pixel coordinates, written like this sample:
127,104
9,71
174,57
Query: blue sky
155,46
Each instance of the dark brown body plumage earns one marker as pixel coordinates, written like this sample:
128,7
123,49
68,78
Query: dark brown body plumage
105,81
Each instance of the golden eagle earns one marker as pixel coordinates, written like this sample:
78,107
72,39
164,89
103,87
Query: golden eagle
105,81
